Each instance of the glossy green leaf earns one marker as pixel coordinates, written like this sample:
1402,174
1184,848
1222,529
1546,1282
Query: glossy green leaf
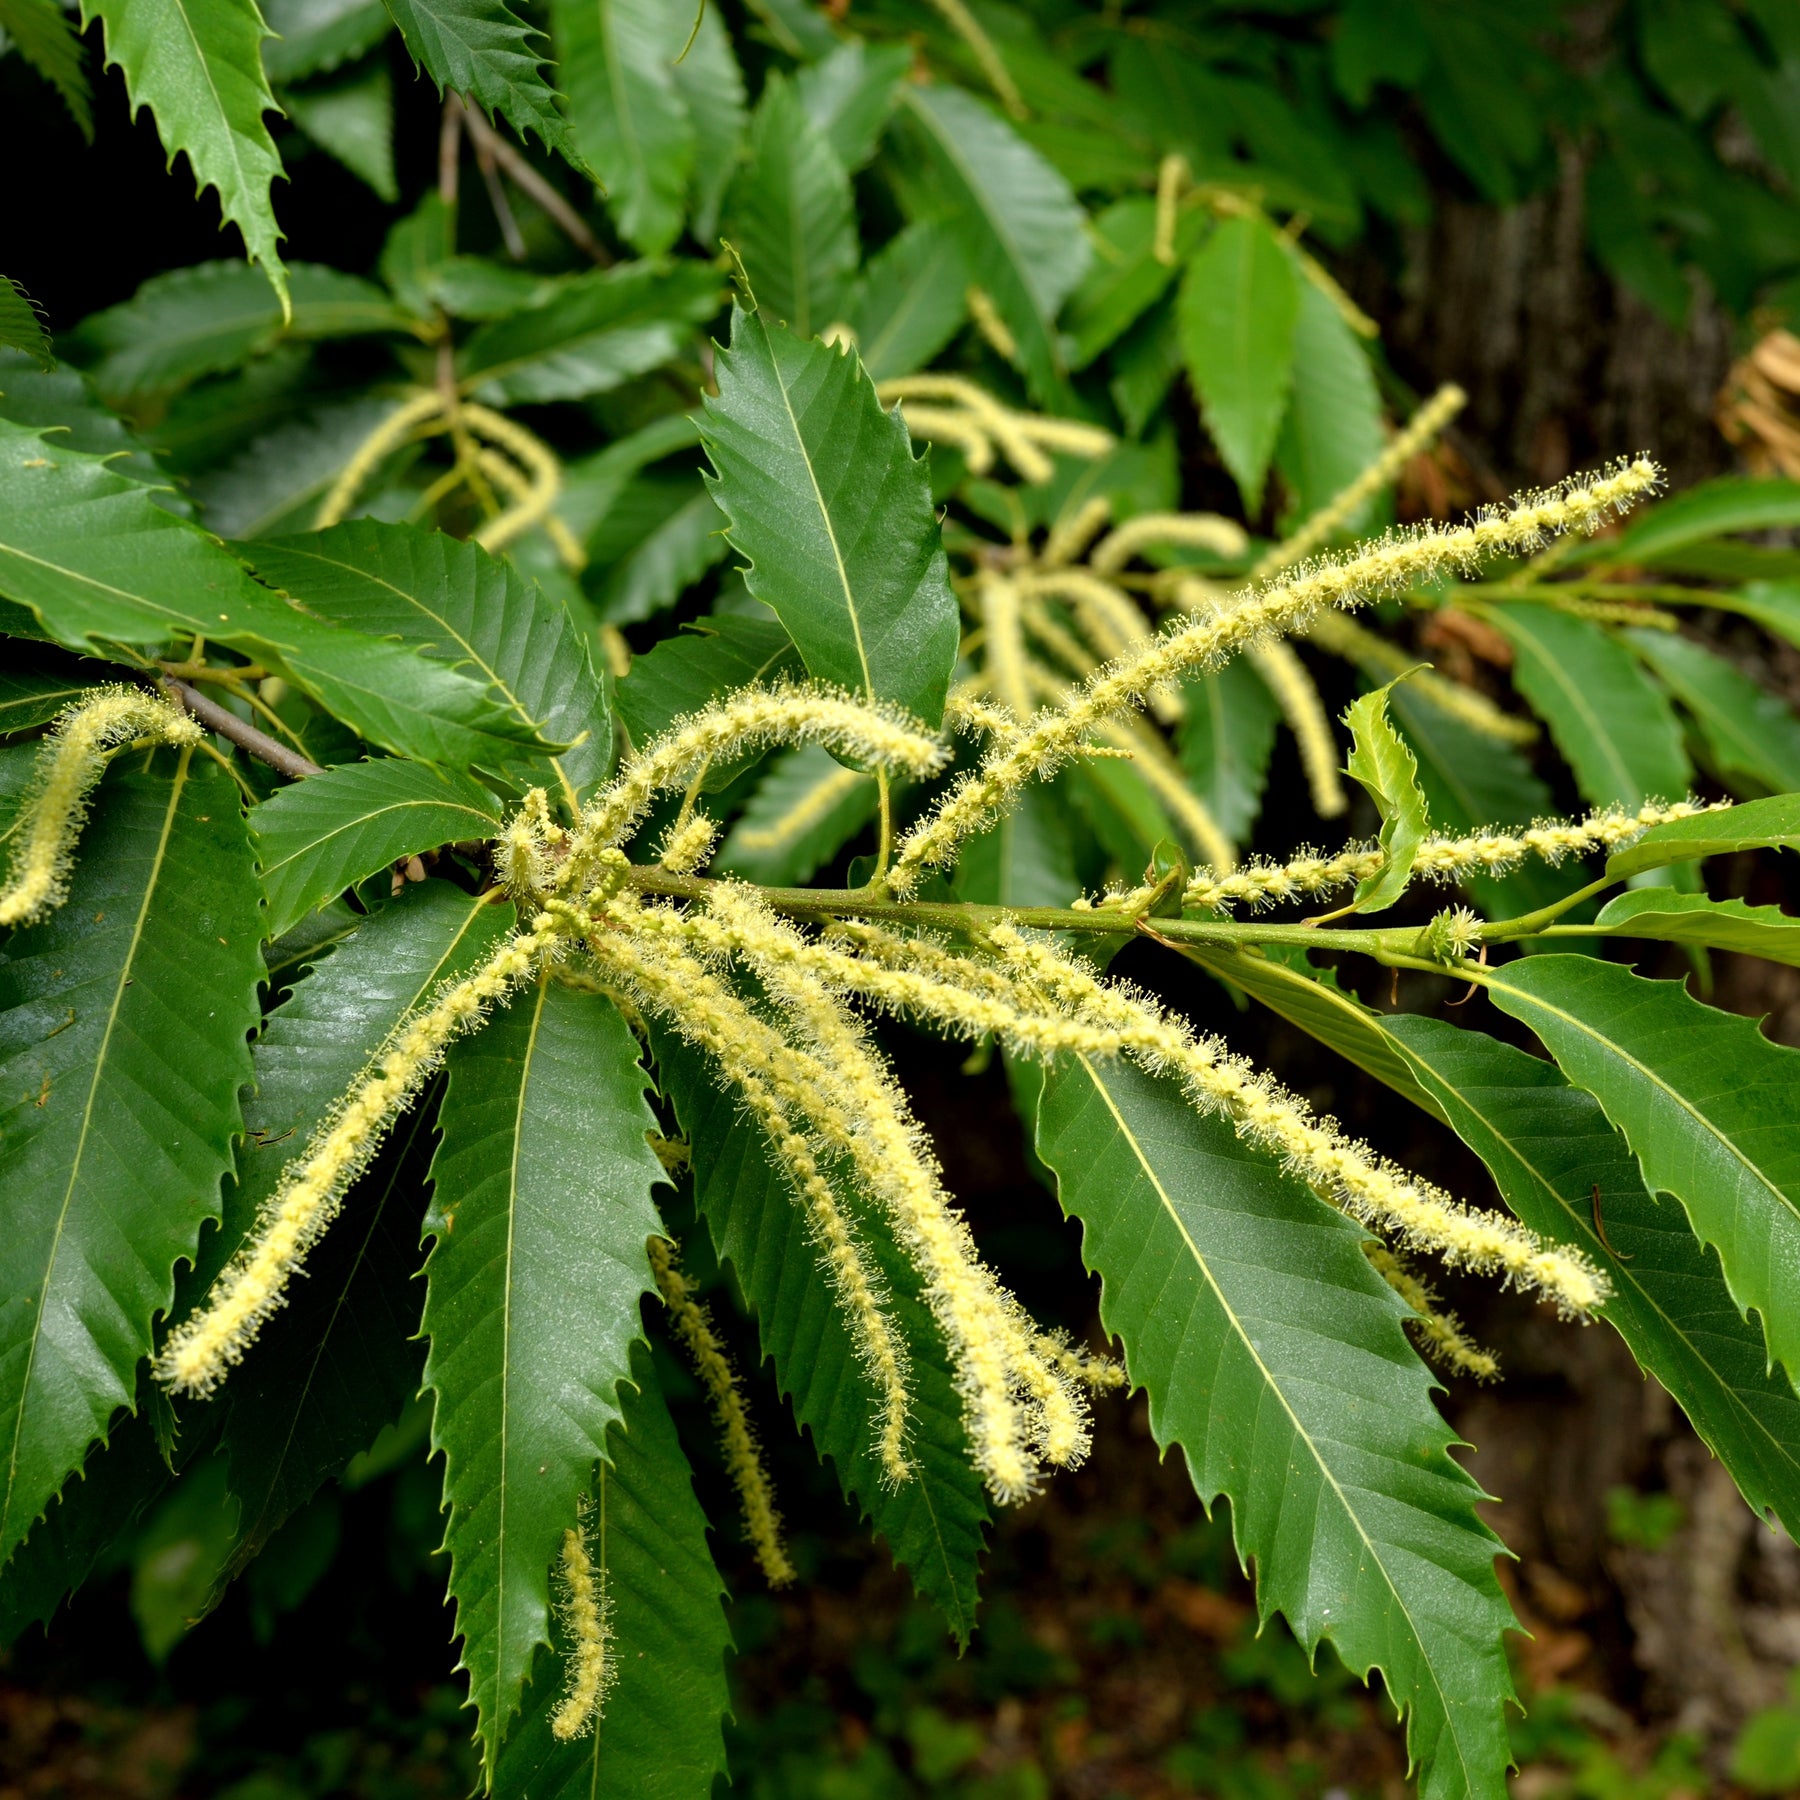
934,1523
910,303
668,557
20,326
1774,605
463,608
317,837
593,485
1549,1148
790,216
1745,731
1226,740
539,1214
660,1735
1730,503
1333,428
193,322
1239,315
1019,224
35,688
197,65
45,36
592,333
1126,278
1275,1356
1382,763
1663,914
1705,1101
711,86
63,397
850,93
1026,859
831,510
123,1026
483,50
627,115
313,37
1772,824
1612,723
804,810
1145,362
352,117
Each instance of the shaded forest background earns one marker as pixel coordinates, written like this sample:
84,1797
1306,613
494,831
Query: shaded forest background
1118,1654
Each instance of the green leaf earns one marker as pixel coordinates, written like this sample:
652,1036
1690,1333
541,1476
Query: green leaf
1612,723
481,49
1730,503
455,603
934,1523
1745,731
592,333
20,326
1125,279
193,322
319,836
1774,605
45,36
1026,859
1332,431
1239,316
539,1214
910,302
850,93
711,86
1383,763
626,113
1226,741
828,505
1772,824
1021,229
791,218
352,117
1144,363
804,810
683,673
671,555
1274,1355
93,556
660,1734
278,481
313,37
1663,914
1549,1147
120,1096
197,65
1705,1101
33,690
63,397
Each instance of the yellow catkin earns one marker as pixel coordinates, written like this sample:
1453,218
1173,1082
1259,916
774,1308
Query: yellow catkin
806,812
944,424
1442,859
1287,678
1440,1332
688,844
990,324
70,760
743,1459
1200,531
995,72
536,457
1068,539
587,1616
615,647
745,720
1056,1006
1345,637
758,1061
1005,662
1062,643
1171,178
417,410
518,486
1344,507
1110,620
1393,563
200,1352
1021,437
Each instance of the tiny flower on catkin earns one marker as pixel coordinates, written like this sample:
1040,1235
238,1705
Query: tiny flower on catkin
1440,1332
1287,678
70,760
1389,565
587,1614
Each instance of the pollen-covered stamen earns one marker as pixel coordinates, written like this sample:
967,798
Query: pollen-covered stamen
587,1614
70,760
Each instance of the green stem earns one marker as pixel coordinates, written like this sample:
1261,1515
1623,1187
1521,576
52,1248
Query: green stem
1531,923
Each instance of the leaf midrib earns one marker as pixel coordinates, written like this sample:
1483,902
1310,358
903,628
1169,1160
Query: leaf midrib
1272,1386
177,788
379,812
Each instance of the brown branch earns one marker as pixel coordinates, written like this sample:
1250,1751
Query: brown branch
529,182
229,726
